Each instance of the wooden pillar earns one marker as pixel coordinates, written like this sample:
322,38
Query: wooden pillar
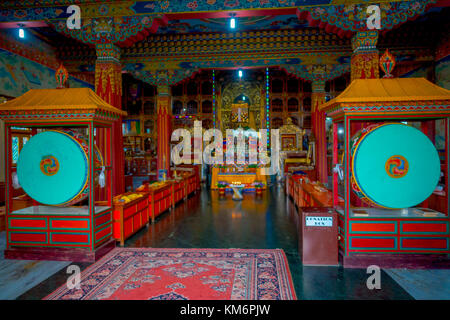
164,123
319,129
108,85
2,154
365,59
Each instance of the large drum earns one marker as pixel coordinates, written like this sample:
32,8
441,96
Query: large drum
53,167
393,166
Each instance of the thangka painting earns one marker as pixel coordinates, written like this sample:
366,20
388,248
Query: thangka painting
131,127
239,112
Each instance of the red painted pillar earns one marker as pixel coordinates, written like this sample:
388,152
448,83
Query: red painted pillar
108,85
365,60
164,124
365,64
319,129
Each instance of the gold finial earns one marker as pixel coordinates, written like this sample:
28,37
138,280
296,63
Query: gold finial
387,64
61,76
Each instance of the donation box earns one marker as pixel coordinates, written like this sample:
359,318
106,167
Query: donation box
318,236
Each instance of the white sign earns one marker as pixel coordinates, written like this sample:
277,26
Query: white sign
374,20
74,21
319,221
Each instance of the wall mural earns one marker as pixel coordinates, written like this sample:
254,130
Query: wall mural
443,73
19,74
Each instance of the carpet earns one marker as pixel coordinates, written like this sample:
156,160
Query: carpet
184,274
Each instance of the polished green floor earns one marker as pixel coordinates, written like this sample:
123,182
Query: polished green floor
207,221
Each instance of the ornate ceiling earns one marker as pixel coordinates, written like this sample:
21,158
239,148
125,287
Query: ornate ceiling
186,36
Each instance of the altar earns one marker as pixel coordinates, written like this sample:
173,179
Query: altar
248,176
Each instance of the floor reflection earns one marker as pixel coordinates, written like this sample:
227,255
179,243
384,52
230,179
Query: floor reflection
270,221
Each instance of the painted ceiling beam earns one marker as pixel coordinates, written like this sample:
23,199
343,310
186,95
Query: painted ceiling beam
127,22
163,6
30,10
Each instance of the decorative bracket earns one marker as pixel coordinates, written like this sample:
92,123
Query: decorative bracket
122,31
349,18
318,72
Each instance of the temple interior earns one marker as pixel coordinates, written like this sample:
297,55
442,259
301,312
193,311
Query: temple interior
224,150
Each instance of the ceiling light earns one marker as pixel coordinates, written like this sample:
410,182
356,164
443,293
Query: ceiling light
232,23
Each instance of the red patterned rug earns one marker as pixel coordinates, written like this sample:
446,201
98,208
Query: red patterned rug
184,274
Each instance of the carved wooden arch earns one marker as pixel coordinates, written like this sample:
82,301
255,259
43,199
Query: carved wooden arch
233,89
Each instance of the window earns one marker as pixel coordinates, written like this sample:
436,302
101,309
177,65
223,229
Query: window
207,88
277,123
148,126
149,91
192,107
277,105
19,139
307,87
15,149
277,86
307,122
177,107
206,106
192,88
292,105
307,104
149,108
292,86
177,90
134,107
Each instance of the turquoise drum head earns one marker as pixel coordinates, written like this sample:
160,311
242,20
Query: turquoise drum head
53,168
395,166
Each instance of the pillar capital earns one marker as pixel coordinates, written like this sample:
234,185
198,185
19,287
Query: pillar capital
365,41
107,52
162,81
318,86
